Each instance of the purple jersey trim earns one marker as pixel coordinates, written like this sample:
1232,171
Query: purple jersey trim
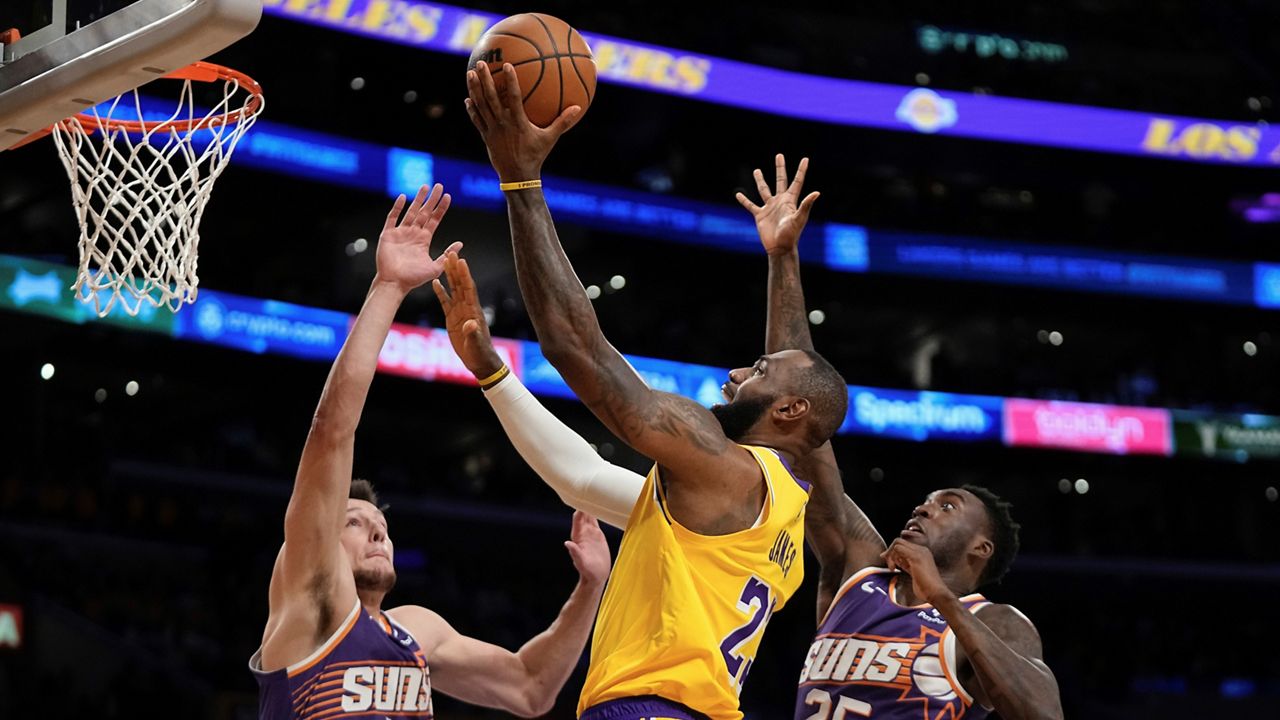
803,485
645,707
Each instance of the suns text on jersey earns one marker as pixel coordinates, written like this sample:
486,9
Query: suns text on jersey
393,688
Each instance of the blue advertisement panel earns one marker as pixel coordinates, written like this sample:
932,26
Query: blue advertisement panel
1266,285
263,326
1089,270
921,416
538,374
319,156
267,326
849,248
610,208
699,382
450,29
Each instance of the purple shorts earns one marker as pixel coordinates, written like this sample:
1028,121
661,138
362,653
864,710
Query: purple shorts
646,707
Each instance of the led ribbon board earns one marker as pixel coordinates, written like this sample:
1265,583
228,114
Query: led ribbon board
445,28
268,326
851,248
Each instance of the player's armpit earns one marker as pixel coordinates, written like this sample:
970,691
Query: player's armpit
306,607
838,532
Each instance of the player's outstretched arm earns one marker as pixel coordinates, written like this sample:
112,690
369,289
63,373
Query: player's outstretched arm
682,436
525,682
841,536
310,584
998,653
564,461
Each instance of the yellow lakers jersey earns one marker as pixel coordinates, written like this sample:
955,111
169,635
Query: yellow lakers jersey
684,613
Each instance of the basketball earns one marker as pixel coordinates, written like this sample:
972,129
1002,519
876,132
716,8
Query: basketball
552,61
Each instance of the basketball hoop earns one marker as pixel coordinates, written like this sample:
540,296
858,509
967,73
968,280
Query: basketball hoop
139,187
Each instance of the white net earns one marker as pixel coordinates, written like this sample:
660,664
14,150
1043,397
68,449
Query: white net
140,188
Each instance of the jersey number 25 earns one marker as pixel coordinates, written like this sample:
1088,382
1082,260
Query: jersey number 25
844,705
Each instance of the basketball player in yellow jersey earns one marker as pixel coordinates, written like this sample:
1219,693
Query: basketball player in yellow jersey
712,547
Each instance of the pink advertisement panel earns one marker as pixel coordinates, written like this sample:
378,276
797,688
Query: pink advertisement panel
425,353
1088,427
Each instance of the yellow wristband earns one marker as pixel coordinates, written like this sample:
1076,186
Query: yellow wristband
493,379
522,185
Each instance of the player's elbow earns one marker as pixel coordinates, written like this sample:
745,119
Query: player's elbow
326,430
535,700
1052,712
562,349
1045,709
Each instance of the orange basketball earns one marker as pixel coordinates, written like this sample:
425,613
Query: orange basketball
552,61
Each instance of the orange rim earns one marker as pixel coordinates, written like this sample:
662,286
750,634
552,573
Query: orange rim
197,72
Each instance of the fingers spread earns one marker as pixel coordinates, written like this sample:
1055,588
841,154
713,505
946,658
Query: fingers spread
807,204
765,194
744,202
394,215
437,214
780,180
428,206
567,119
797,183
415,207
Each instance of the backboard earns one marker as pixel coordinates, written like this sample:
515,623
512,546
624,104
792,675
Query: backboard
74,54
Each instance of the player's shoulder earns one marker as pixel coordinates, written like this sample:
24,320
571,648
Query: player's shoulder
427,626
1007,621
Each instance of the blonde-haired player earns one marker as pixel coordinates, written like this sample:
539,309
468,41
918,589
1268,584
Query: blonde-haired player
329,650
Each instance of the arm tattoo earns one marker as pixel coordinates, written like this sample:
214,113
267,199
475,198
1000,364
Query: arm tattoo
1002,651
566,324
787,327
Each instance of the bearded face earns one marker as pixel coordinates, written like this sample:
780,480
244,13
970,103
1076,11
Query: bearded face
375,579
738,417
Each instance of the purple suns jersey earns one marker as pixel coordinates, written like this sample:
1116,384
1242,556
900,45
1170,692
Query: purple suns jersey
368,670
875,658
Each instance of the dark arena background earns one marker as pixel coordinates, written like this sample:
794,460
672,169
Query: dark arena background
1046,255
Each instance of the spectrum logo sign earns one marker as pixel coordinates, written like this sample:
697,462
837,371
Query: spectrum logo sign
1088,427
922,416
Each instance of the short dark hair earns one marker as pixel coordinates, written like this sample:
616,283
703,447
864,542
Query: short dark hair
1004,533
828,395
362,489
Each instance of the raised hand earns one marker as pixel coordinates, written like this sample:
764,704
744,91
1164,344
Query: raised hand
517,147
404,248
783,215
588,549
464,318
